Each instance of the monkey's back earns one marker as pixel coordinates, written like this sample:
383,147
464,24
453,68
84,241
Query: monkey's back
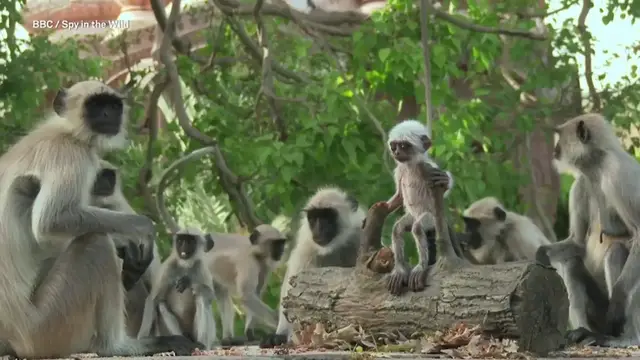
416,194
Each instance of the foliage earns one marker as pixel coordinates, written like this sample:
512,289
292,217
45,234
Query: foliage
333,122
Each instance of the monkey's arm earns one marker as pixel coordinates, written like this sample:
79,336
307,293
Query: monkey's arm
58,210
396,200
450,185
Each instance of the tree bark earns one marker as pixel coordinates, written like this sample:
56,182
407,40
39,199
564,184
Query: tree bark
520,300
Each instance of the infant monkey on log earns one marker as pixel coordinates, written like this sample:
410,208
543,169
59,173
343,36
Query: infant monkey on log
408,143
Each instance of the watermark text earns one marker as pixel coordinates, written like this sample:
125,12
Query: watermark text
80,24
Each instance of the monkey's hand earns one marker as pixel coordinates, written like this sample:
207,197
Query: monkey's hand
183,283
134,263
616,314
585,337
398,279
418,278
437,178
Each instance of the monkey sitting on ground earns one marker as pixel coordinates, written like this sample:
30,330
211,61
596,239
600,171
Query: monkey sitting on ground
408,143
107,194
78,305
497,235
185,268
605,190
328,235
243,271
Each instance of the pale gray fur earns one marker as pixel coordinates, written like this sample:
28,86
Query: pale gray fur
306,254
242,270
63,153
136,296
172,270
606,189
416,198
515,238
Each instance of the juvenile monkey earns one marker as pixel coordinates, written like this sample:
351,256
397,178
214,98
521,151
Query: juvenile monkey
408,142
243,271
605,191
107,194
185,268
77,306
497,235
328,235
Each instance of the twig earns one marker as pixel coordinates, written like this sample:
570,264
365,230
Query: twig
545,14
426,50
585,38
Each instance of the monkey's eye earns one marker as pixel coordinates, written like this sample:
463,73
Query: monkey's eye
404,146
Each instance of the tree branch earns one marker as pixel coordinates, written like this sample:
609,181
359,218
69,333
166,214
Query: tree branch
585,38
467,25
229,181
426,50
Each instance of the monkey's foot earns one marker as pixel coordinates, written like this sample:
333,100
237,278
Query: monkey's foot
234,341
418,278
398,281
273,340
585,337
616,316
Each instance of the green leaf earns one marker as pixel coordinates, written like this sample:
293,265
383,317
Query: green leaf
383,54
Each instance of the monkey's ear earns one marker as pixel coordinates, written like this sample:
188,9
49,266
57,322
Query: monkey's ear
583,132
426,142
499,213
255,235
105,184
59,102
277,249
353,202
208,242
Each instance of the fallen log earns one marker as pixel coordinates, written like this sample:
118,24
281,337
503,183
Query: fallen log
518,300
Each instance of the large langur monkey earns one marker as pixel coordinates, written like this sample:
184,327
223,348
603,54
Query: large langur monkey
78,305
496,235
329,235
604,209
107,194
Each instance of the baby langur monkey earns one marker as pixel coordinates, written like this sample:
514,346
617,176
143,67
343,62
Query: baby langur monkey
497,235
185,268
408,143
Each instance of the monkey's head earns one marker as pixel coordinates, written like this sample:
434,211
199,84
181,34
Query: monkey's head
328,214
582,142
189,242
268,241
484,221
94,113
107,189
409,141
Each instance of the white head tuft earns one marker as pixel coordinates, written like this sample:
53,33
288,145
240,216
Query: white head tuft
409,130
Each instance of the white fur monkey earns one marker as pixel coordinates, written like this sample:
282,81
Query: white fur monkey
409,142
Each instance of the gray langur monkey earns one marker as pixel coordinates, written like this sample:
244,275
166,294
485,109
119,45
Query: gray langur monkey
185,269
408,143
605,193
107,194
243,270
328,235
78,305
496,235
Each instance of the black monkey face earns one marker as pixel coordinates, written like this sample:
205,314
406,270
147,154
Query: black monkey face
186,245
323,223
105,184
402,151
104,113
277,249
472,229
